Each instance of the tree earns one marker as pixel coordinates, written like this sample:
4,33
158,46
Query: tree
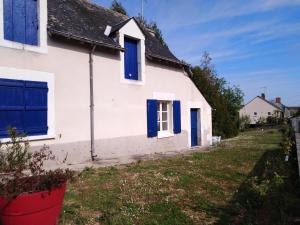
225,100
153,26
118,7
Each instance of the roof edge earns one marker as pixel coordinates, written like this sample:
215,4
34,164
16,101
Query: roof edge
83,39
150,56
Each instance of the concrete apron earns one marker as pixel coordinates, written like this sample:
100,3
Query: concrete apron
125,160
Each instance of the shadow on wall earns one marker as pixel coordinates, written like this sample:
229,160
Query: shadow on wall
269,195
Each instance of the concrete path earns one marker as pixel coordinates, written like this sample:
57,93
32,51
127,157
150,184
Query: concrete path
124,160
298,149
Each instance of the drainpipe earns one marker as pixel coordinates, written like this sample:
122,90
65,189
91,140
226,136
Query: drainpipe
93,156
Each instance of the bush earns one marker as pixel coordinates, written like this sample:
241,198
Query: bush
22,171
244,122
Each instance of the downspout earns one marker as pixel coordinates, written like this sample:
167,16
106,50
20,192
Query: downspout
93,156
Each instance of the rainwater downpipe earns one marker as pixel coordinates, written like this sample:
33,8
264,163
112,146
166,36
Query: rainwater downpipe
93,156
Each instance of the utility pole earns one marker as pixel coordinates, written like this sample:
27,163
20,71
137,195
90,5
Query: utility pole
142,9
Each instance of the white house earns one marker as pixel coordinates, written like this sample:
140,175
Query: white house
259,109
88,81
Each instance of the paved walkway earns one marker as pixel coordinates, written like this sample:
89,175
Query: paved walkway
298,149
124,160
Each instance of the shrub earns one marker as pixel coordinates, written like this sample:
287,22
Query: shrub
244,122
23,171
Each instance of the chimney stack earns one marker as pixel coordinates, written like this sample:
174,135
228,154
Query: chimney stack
278,100
263,95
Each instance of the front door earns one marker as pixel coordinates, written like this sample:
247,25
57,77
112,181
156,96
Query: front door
194,127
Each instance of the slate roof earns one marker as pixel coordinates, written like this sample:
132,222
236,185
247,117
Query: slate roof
271,103
265,100
86,22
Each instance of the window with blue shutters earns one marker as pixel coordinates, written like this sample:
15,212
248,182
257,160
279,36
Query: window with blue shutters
23,105
163,118
131,59
21,22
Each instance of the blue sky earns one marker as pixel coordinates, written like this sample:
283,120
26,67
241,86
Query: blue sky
253,44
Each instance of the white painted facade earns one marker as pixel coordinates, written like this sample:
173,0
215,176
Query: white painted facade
120,105
258,109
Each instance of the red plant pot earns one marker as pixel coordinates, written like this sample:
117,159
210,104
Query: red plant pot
38,208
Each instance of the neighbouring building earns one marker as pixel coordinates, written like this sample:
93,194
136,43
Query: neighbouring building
296,123
291,111
86,80
260,109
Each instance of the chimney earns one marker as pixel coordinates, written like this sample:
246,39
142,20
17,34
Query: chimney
263,95
278,100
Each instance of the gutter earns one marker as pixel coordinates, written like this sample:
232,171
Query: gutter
153,56
92,122
83,39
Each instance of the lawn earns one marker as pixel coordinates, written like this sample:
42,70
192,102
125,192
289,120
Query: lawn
199,188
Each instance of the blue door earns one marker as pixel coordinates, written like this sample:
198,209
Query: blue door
131,59
194,127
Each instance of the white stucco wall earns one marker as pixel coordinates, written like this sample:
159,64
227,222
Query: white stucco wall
261,107
120,108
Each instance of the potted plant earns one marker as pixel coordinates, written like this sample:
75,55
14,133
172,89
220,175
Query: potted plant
29,194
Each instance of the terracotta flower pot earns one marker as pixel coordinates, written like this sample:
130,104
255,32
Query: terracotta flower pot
38,208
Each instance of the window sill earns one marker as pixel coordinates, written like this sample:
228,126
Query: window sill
164,134
133,82
20,46
31,138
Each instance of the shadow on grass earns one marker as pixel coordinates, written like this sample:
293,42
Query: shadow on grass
269,195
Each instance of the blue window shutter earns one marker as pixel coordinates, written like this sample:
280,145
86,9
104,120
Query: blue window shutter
8,19
131,59
36,108
11,105
176,117
152,117
19,21
31,22
24,105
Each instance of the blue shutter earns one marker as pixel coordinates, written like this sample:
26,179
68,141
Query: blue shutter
8,19
19,21
176,117
35,118
131,59
23,105
31,22
11,105
152,117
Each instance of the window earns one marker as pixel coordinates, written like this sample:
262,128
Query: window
255,113
21,23
131,59
269,114
163,116
24,105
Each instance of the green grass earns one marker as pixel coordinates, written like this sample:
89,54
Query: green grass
200,188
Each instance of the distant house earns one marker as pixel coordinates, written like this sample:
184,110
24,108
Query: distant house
296,123
291,111
89,81
260,109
